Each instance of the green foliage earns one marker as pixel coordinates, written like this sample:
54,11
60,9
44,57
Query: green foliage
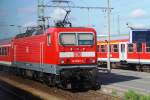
131,95
114,93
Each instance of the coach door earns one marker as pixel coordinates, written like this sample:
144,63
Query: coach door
122,51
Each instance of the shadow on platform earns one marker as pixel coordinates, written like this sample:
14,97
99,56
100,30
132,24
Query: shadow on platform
110,78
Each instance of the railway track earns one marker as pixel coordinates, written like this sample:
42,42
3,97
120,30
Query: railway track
60,93
7,91
17,93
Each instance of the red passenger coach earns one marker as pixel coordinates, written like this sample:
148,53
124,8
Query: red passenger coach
65,57
133,51
116,51
5,52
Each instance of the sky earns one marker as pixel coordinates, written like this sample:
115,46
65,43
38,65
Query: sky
24,13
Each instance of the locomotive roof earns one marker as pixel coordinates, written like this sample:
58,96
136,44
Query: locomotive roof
37,31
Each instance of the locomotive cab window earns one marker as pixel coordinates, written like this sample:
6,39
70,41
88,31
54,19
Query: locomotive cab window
115,48
67,39
130,48
139,47
85,39
48,39
148,47
80,39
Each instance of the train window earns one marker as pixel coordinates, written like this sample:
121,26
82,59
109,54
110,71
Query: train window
130,48
98,48
115,48
103,48
0,51
139,47
48,39
110,48
85,39
148,47
5,52
68,39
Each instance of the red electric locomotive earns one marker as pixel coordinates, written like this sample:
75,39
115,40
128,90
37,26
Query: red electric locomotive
65,57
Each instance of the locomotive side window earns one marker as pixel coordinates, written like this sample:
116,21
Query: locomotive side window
148,47
115,48
68,39
139,47
130,48
49,39
85,39
103,48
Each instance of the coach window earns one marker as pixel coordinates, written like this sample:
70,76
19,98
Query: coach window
48,39
130,48
110,48
3,52
139,47
98,48
102,48
8,51
115,47
148,47
0,51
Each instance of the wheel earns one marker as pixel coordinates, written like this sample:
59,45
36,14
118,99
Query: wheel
139,68
114,66
146,68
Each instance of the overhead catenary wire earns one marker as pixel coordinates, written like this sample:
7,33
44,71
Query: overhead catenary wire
76,7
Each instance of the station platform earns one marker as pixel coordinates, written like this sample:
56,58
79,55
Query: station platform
120,81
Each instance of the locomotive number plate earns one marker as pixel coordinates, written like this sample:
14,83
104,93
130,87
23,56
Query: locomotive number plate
77,54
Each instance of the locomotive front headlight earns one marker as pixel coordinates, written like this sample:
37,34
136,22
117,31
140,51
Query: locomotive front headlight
62,61
93,61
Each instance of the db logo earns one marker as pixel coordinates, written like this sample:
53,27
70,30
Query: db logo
77,54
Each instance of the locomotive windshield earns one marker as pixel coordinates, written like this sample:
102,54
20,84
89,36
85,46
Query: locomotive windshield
85,39
68,39
76,39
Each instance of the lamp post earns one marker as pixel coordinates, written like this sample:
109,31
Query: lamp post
108,46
